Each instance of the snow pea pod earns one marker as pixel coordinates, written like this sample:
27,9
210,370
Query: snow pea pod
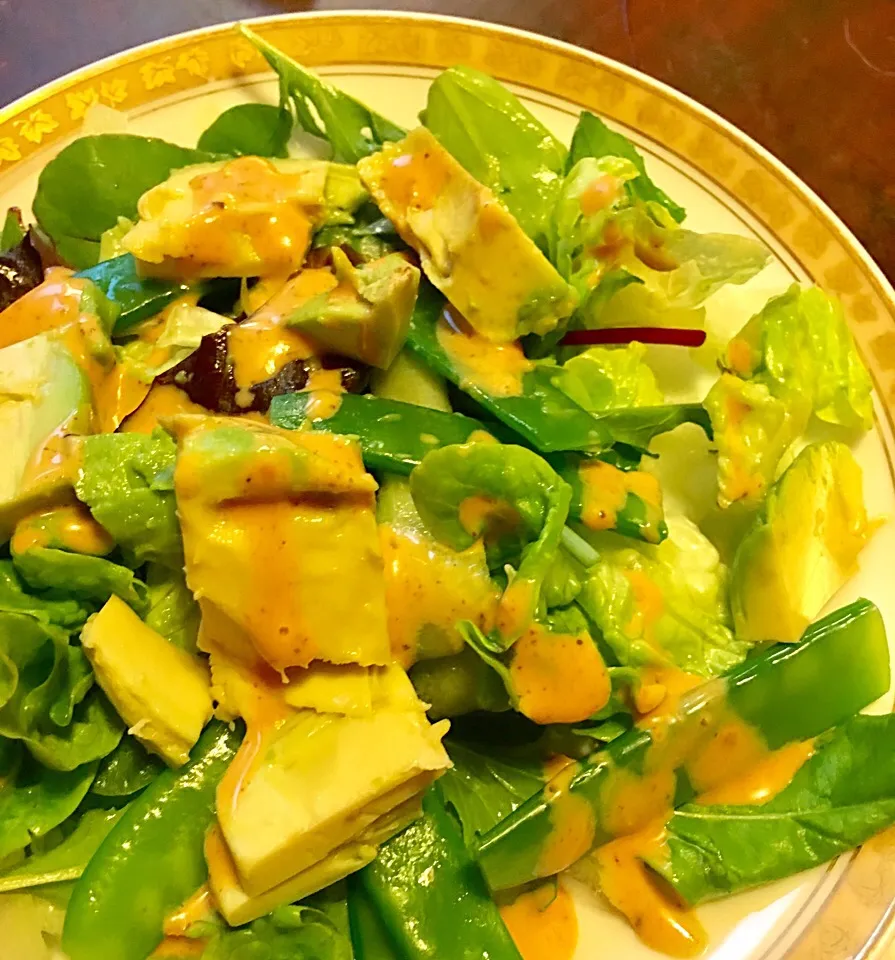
152,861
137,297
546,418
788,693
429,895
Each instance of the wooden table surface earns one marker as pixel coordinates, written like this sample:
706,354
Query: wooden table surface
811,80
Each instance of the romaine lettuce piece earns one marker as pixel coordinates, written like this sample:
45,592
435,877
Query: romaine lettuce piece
498,140
601,379
753,430
802,547
664,604
800,344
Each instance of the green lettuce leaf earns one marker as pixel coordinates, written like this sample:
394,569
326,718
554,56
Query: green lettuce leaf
351,129
604,378
13,231
249,129
14,598
482,788
753,431
172,610
518,484
127,770
496,138
126,481
65,861
842,796
34,799
664,603
800,344
592,138
91,579
285,934
92,182
184,329
46,696
657,274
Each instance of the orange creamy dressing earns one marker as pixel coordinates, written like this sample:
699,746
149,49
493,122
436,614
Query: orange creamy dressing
739,356
489,517
600,193
605,488
163,400
429,589
243,211
414,180
542,923
516,607
200,906
649,605
763,781
262,345
558,678
630,800
572,822
70,527
659,695
496,368
56,302
739,482
179,948
325,389
657,916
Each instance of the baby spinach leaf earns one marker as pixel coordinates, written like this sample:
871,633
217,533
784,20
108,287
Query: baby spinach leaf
172,610
352,130
509,496
592,138
13,231
483,788
34,799
126,770
83,190
496,138
67,860
842,796
249,129
122,481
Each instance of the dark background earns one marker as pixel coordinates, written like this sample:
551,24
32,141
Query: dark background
812,80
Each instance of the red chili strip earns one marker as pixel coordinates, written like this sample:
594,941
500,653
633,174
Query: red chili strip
669,336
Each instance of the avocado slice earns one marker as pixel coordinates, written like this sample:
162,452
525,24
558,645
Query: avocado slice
367,315
161,692
44,394
469,244
238,907
319,781
267,515
244,217
802,547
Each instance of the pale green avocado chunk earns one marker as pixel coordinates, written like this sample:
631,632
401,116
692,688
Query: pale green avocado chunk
469,244
160,691
367,315
802,547
43,393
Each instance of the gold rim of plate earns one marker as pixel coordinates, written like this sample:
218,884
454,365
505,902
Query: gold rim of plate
855,920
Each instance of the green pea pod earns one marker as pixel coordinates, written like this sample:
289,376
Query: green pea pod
429,895
788,693
396,436
545,417
152,861
369,938
136,297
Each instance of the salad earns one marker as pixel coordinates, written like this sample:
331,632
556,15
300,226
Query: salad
341,613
